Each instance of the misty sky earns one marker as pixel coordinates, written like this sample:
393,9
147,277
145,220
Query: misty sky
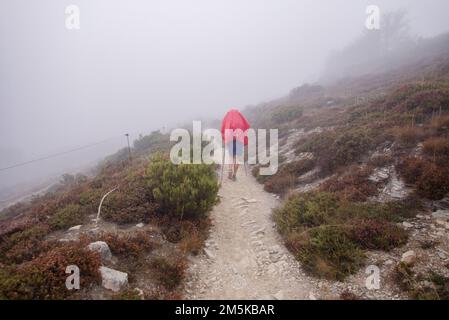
135,66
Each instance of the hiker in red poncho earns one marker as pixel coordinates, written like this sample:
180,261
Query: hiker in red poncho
233,132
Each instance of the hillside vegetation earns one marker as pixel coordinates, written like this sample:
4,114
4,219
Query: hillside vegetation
149,224
360,159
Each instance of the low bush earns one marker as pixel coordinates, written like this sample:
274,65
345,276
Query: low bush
408,136
429,178
128,245
377,234
132,203
441,123
69,216
431,286
255,171
328,234
284,114
352,186
433,183
334,149
45,276
280,183
330,253
24,245
410,168
193,235
437,147
169,271
305,210
299,167
182,190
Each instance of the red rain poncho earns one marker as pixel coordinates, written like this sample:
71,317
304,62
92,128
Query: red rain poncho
234,120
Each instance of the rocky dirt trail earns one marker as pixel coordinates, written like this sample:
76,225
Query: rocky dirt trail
244,257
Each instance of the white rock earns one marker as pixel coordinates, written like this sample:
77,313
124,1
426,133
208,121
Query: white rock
407,225
101,247
409,257
75,227
388,262
442,223
279,295
312,296
140,225
112,279
209,254
441,214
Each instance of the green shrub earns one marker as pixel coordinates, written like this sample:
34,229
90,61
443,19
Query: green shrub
71,215
132,203
328,252
182,190
327,233
286,114
333,149
45,276
305,210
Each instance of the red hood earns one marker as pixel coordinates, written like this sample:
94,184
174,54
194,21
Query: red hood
234,120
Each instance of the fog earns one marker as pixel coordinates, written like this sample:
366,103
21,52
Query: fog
135,66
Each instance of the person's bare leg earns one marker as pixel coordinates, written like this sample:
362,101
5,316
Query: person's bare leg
236,167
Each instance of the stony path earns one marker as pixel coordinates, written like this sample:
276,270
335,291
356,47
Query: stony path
244,256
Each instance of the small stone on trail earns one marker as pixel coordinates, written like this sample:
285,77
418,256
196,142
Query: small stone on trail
75,227
311,296
279,295
209,254
140,225
409,257
407,225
